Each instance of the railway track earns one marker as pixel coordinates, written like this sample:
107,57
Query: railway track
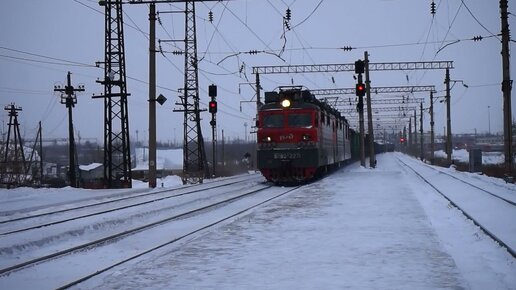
42,210
53,217
165,232
506,194
504,207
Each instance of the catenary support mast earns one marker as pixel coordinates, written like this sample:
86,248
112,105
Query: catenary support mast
117,153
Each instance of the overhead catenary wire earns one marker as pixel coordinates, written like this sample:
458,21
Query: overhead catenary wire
476,19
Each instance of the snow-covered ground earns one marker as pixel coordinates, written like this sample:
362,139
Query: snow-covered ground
355,229
462,155
165,158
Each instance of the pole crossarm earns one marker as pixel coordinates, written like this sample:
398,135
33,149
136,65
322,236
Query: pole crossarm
351,102
411,65
387,109
279,69
300,68
399,116
165,1
375,90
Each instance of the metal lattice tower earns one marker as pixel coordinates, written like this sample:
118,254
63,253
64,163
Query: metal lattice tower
13,164
117,154
193,145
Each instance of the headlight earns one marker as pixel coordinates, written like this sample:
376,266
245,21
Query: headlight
306,137
285,103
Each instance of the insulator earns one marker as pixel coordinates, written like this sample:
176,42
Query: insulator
177,52
210,16
287,25
347,48
432,8
477,38
288,14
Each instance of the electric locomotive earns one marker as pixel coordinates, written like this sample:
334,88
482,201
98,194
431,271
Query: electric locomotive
299,136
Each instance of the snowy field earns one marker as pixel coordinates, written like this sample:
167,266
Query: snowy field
462,155
355,229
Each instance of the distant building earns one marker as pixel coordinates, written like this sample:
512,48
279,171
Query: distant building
92,175
490,140
168,162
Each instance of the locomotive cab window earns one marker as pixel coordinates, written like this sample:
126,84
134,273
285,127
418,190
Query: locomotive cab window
299,120
272,121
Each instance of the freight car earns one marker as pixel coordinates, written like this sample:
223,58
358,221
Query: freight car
299,136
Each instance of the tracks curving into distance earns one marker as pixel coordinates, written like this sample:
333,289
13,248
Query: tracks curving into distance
208,213
479,221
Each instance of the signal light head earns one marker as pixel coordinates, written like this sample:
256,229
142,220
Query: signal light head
212,107
360,89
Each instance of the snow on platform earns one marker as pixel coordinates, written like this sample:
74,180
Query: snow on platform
356,229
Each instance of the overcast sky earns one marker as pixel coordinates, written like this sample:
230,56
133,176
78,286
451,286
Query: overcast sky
42,40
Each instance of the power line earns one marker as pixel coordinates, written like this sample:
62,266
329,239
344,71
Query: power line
69,62
247,26
449,28
310,15
474,17
42,61
88,6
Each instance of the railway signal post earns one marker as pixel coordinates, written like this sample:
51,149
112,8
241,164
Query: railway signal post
212,108
372,157
360,92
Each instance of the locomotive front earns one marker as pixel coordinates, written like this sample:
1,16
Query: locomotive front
288,136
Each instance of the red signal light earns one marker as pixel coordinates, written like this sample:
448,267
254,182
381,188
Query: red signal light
360,89
402,140
212,107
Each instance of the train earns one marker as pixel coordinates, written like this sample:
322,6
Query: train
300,137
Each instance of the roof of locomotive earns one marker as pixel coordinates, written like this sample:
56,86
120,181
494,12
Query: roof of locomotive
299,98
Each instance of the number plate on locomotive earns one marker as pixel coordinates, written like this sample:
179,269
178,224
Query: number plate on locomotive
288,155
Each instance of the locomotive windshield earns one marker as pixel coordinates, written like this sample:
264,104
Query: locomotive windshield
299,120
273,121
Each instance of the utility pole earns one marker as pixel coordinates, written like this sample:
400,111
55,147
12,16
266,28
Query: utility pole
449,146
152,95
194,155
432,136
69,99
422,154
506,88
223,155
415,130
40,135
13,168
410,141
372,157
258,88
489,119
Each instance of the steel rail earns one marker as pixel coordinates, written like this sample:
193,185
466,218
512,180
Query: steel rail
114,237
478,224
100,271
110,210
